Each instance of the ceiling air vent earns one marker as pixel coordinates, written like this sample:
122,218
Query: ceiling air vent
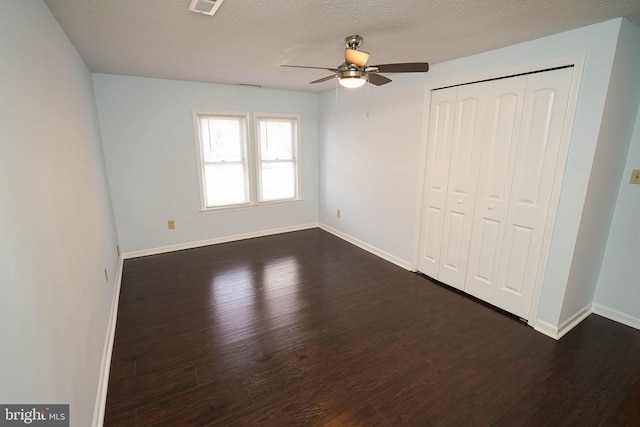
207,7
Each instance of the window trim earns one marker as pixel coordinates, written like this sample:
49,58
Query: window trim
246,138
295,119
252,159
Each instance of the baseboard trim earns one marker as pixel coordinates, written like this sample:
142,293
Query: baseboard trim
215,241
616,316
557,332
573,321
545,328
367,247
105,368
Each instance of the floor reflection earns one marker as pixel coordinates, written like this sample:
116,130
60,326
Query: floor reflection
256,294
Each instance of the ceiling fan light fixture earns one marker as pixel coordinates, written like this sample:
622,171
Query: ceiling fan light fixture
352,79
356,57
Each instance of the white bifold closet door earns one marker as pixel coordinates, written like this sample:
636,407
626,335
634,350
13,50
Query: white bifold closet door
443,104
491,161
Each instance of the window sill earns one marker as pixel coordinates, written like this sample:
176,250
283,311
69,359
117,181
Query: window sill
246,206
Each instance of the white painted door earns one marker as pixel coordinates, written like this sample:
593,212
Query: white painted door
492,158
499,142
545,107
437,175
471,104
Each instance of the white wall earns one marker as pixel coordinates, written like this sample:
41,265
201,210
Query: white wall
369,167
150,150
58,231
607,181
618,288
619,282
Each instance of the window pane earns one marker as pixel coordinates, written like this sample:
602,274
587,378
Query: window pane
278,181
221,139
276,140
225,184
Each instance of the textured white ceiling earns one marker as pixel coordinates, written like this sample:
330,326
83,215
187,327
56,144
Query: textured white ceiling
246,41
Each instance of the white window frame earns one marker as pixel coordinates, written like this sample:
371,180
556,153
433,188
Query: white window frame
252,160
245,151
295,120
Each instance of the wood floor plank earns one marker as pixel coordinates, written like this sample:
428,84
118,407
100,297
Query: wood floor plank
139,390
218,400
304,328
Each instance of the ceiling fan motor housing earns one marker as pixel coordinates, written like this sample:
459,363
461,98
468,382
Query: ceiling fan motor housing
353,42
351,73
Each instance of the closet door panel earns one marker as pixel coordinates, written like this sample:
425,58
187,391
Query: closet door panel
482,257
463,173
433,235
436,180
520,245
499,142
539,144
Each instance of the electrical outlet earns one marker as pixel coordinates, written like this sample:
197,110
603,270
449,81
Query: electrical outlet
635,176
172,224
338,213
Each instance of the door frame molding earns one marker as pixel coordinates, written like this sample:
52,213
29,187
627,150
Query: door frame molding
577,61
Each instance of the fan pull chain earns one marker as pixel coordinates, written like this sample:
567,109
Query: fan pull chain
337,89
368,91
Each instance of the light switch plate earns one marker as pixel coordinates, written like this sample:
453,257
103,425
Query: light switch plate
635,176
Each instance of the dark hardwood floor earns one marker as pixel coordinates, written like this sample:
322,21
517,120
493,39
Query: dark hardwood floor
303,328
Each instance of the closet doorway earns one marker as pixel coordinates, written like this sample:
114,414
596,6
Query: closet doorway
495,152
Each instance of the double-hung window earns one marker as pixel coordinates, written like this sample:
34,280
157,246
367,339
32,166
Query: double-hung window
223,160
277,154
239,167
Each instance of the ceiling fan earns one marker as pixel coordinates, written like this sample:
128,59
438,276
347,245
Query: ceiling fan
354,71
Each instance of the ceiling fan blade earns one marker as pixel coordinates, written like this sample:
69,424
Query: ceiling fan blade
405,67
378,80
324,79
335,70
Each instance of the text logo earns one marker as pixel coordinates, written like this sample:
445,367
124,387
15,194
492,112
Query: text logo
35,415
